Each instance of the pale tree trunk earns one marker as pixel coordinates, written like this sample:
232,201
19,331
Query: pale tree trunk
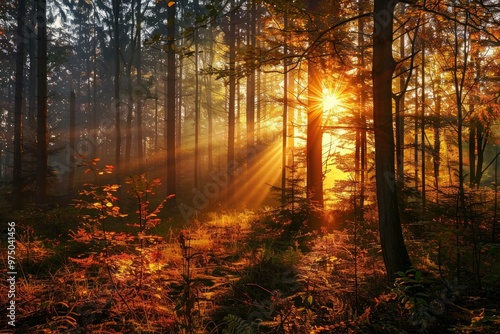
391,237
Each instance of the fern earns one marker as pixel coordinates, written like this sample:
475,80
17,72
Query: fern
237,325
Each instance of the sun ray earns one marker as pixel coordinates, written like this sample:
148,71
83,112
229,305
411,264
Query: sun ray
254,185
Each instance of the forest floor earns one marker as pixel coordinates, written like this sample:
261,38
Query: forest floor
233,273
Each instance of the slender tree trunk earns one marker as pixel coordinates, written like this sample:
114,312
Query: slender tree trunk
196,110
42,113
118,138
208,93
422,129
437,147
130,92
250,102
141,93
459,80
231,107
495,210
415,132
258,86
391,237
314,145
95,130
72,139
180,115
285,113
171,151
156,113
482,140
32,75
362,112
400,106
290,116
17,179
128,123
472,150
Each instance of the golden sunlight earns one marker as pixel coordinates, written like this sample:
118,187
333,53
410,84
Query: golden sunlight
331,101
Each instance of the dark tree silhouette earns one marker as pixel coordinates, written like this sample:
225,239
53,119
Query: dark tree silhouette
171,161
42,111
391,237
314,146
17,180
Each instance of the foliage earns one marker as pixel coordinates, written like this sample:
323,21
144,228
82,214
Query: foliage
236,325
412,295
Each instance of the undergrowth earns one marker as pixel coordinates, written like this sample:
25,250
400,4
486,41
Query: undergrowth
246,272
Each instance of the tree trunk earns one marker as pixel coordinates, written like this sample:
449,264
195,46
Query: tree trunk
422,128
472,150
95,130
32,75
17,180
482,140
400,106
495,210
415,132
171,152
128,123
459,75
140,91
208,93
285,113
232,101
291,116
42,110
72,139
391,237
362,150
130,92
250,102
116,27
196,109
437,147
314,145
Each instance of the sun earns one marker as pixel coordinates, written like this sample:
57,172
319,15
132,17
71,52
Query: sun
331,101
335,97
